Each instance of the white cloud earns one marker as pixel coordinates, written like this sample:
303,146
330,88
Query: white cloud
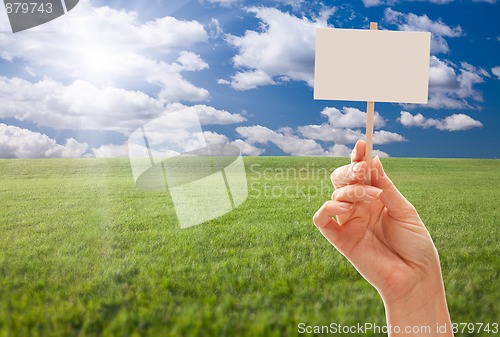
215,138
79,105
16,142
302,141
247,148
480,71
439,2
380,154
442,75
373,3
409,120
289,144
496,72
327,133
223,3
191,61
340,150
215,28
350,118
345,127
293,3
413,22
456,122
111,151
86,27
452,86
209,115
284,47
223,81
386,137
249,80
104,46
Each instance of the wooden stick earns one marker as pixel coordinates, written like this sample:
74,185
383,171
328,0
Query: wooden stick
370,115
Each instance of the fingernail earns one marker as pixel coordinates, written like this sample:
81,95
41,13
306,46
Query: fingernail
346,206
373,191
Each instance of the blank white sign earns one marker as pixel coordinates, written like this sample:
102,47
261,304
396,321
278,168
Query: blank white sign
372,65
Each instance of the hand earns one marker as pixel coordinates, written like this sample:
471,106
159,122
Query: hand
382,235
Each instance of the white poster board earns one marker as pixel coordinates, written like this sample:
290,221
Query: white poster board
372,65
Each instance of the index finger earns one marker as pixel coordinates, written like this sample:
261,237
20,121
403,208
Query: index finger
349,174
358,153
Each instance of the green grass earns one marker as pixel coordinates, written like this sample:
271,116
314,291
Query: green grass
84,253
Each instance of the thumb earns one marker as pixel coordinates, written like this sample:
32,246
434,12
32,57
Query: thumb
394,201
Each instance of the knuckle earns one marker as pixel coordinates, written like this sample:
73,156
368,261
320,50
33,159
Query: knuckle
359,190
315,218
340,176
334,176
410,208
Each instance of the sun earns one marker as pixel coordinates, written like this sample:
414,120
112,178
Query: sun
95,63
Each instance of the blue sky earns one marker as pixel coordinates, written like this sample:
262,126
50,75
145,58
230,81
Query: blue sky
80,85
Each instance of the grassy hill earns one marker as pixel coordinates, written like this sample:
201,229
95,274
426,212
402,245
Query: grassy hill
84,253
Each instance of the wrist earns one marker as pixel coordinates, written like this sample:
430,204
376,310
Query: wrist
422,306
416,290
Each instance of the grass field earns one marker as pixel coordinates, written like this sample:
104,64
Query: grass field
84,253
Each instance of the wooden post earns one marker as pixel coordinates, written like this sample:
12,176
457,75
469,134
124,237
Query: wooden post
370,116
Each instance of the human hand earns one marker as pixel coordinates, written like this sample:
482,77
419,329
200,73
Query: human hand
382,235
